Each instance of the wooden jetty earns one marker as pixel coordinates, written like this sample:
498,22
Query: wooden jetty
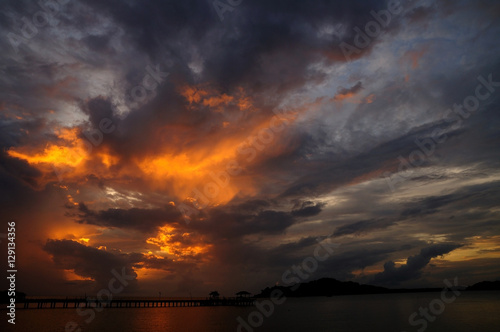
133,303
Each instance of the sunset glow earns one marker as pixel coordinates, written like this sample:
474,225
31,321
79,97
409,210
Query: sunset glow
200,146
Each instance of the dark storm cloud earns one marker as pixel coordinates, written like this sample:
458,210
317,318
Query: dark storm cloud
413,268
152,127
98,43
20,169
346,92
420,13
236,221
253,205
341,168
98,109
384,156
232,50
153,24
90,262
159,263
268,28
17,181
14,132
253,217
265,29
284,26
480,196
251,256
99,264
343,265
363,226
308,209
144,220
228,224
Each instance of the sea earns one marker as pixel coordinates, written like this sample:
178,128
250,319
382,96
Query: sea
468,312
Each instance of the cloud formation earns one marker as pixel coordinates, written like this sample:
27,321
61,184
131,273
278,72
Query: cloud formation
203,154
412,269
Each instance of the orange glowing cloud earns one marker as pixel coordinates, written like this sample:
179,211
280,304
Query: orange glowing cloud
354,98
69,153
344,96
192,94
68,157
192,169
205,165
180,174
108,159
217,101
244,103
70,275
203,95
80,233
369,99
348,93
480,246
171,244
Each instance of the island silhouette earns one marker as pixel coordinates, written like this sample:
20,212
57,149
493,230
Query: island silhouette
320,287
334,287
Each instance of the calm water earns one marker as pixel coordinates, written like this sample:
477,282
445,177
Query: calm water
472,311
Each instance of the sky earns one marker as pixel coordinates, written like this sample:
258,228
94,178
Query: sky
223,145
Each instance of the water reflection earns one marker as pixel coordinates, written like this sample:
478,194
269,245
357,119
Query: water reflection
472,311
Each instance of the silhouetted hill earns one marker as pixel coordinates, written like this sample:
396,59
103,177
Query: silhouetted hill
485,285
332,287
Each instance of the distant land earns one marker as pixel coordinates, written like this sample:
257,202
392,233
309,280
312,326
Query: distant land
485,285
333,287
328,287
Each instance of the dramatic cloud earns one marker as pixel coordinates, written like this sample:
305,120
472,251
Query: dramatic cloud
144,220
413,268
89,262
362,227
203,152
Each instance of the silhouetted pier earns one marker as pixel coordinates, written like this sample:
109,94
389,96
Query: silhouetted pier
143,303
